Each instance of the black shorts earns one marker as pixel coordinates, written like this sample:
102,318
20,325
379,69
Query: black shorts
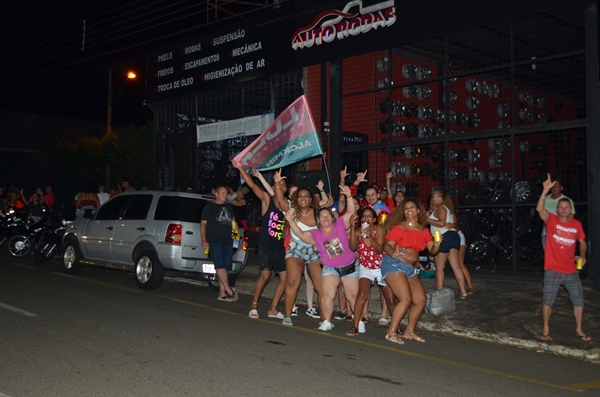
451,240
271,259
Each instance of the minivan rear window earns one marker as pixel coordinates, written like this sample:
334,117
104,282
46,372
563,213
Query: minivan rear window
183,209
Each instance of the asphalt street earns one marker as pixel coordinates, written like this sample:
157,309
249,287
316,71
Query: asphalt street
97,334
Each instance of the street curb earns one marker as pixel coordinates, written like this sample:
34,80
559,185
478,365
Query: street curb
591,356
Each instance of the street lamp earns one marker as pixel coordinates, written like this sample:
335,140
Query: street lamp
111,102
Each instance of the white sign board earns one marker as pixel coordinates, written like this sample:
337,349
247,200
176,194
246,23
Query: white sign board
254,125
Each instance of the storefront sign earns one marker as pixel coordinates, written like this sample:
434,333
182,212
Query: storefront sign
221,130
353,20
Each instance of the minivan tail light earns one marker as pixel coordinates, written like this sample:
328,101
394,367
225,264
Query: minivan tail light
173,234
245,243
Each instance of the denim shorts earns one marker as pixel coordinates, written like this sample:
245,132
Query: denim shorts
299,249
222,255
393,265
331,270
451,241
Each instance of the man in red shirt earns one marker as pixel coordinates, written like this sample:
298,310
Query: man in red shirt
562,233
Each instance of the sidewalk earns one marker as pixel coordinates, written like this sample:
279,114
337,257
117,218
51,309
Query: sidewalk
500,311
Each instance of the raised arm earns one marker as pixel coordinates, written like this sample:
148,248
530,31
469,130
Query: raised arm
324,196
283,203
542,200
388,178
302,235
260,194
350,207
343,175
360,177
264,182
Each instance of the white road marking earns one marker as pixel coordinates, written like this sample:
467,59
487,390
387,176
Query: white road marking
16,310
27,266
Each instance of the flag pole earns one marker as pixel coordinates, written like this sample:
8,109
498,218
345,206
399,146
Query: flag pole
327,174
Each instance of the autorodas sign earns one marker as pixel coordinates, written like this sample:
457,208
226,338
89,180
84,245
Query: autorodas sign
353,20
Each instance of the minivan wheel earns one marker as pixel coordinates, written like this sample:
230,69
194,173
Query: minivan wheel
214,285
72,258
148,270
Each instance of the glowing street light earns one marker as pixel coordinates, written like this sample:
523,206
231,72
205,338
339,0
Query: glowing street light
130,76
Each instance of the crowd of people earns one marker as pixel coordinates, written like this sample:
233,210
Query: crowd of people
342,247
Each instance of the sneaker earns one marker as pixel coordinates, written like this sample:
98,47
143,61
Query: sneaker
361,327
312,313
339,316
295,311
325,326
332,324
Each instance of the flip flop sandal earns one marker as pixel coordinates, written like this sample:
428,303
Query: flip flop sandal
253,313
394,339
353,332
545,338
287,321
278,315
383,321
412,337
584,337
226,298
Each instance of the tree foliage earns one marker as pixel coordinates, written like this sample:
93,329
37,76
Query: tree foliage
127,152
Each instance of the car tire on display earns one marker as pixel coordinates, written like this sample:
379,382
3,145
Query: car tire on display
495,192
480,251
148,270
214,285
412,189
522,192
467,223
522,219
72,257
488,221
532,250
19,245
504,252
471,194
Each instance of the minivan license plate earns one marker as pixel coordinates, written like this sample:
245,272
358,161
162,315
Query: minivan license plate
208,268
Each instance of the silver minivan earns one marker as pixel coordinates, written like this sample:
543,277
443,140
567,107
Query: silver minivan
152,233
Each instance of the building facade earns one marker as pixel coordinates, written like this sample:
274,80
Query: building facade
482,98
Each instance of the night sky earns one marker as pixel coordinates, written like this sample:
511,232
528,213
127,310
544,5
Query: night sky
45,71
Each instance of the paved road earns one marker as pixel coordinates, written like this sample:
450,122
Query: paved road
98,335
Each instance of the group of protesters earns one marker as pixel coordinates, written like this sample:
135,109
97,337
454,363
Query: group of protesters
354,243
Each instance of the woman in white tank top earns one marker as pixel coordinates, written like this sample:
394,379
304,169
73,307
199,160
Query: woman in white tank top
441,219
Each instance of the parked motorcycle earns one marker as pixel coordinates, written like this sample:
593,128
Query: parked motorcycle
50,243
11,223
23,242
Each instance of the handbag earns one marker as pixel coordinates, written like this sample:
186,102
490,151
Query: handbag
345,270
440,302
